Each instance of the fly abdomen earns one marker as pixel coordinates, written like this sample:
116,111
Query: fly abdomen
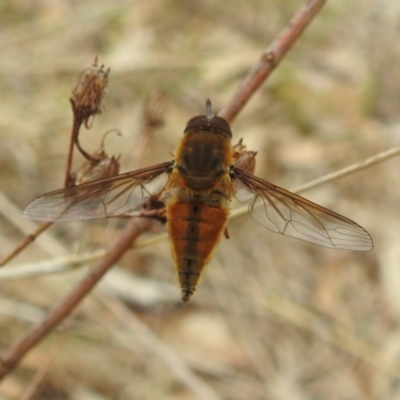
195,228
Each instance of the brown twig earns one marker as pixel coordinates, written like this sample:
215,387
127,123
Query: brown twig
271,58
76,126
25,242
10,359
13,214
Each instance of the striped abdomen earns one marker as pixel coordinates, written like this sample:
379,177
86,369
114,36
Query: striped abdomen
195,228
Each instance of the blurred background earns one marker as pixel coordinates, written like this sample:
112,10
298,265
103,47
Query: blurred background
273,318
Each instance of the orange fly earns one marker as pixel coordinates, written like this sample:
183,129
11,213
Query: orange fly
196,189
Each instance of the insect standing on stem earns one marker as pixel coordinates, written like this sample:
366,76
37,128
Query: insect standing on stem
196,189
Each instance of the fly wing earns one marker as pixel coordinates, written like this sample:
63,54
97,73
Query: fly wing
291,215
116,196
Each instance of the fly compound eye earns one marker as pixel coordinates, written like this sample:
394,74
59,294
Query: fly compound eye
218,124
198,123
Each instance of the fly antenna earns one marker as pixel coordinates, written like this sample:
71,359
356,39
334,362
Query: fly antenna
208,109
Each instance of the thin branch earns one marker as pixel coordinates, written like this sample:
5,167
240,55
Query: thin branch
76,126
350,170
51,266
26,241
13,214
271,58
11,357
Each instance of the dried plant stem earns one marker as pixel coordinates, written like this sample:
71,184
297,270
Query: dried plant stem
11,357
13,214
350,170
76,126
50,266
271,58
25,242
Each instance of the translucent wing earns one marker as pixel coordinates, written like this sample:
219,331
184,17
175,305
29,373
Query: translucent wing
284,212
111,197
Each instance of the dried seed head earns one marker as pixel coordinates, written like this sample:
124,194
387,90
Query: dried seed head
99,165
94,170
89,91
244,159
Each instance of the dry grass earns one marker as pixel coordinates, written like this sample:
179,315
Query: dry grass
273,318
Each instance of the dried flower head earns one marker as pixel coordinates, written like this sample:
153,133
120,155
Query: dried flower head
244,159
89,91
97,165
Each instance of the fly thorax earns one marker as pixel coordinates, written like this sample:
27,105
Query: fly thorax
202,159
